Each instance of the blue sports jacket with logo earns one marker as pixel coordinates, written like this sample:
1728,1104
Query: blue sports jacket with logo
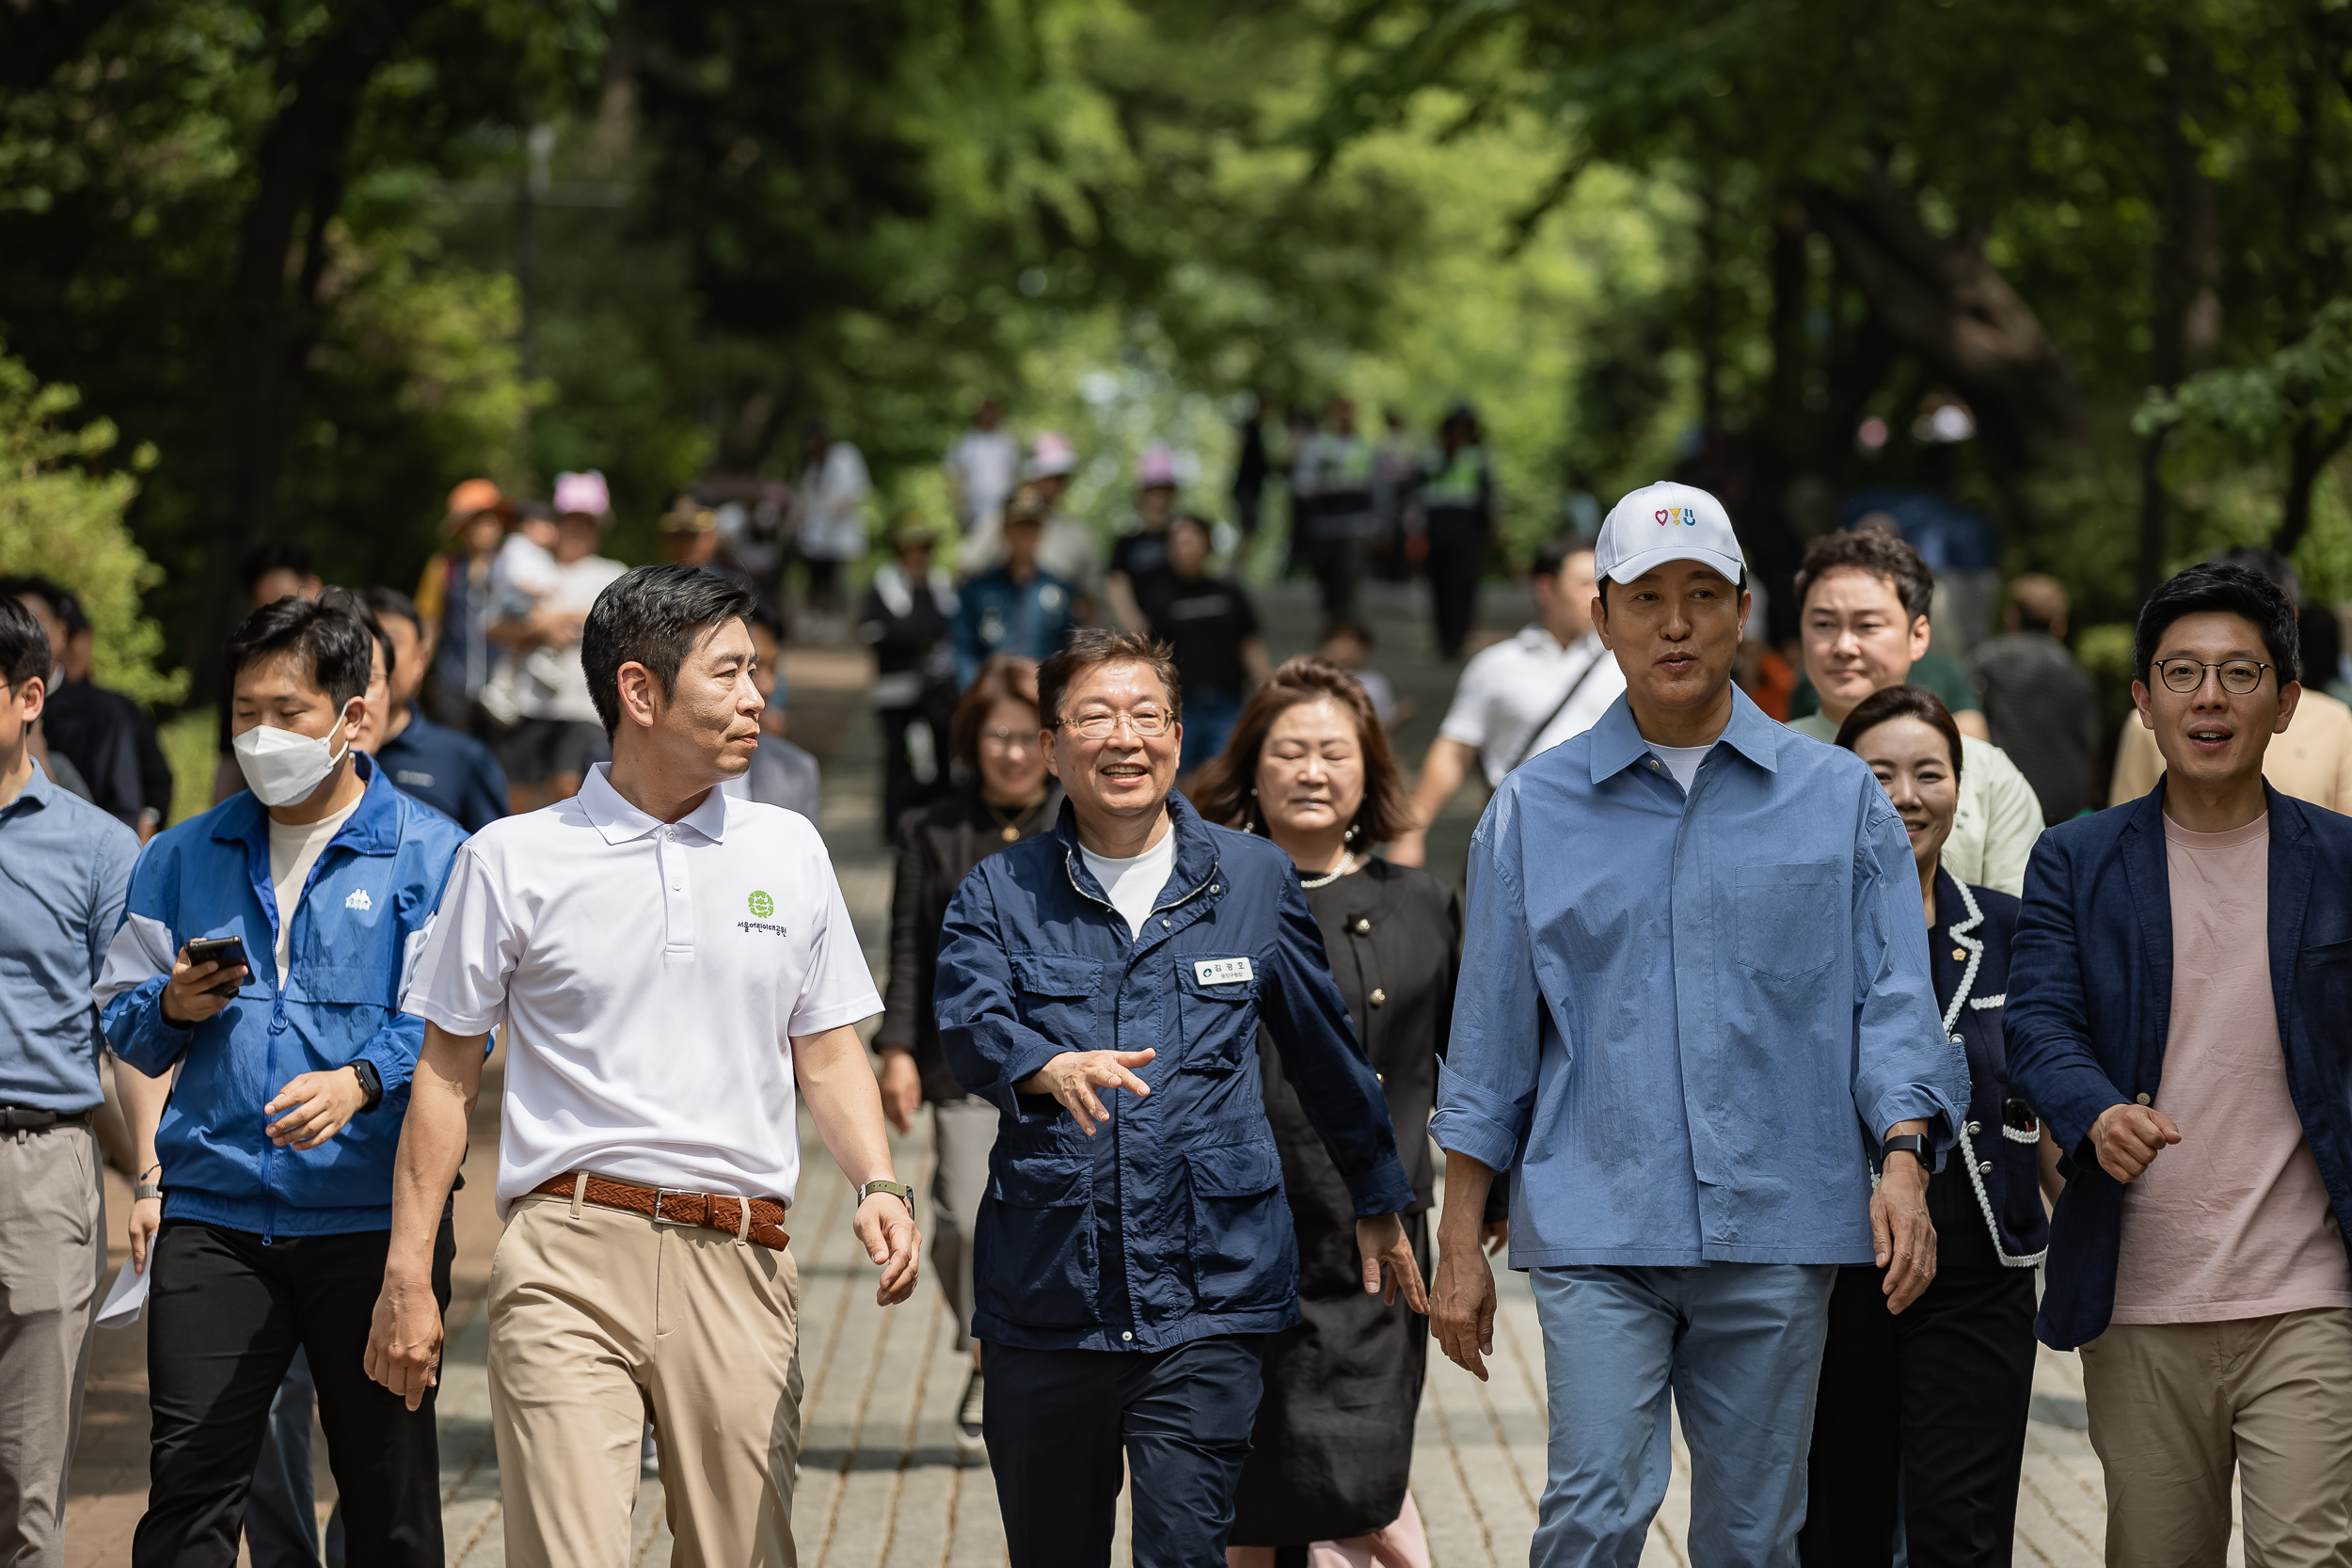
1169,1225
358,927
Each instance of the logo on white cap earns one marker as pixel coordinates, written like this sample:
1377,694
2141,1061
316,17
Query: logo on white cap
1666,522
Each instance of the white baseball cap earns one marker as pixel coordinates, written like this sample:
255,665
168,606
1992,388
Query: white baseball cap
1666,522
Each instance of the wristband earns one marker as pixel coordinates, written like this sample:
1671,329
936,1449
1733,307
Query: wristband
1904,1143
898,1190
146,1190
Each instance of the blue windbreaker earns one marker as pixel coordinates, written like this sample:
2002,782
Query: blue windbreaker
357,928
1169,1224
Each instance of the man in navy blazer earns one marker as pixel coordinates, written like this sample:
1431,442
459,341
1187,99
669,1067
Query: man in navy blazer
2180,1012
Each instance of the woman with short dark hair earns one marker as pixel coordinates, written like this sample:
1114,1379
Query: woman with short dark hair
1007,798
1308,766
1925,1412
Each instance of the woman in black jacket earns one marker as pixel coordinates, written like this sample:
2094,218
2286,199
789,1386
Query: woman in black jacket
1308,767
1008,797
1929,1408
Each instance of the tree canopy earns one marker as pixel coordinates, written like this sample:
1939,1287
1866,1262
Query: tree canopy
325,257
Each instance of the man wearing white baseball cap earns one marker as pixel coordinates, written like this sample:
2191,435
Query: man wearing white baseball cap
1694,1013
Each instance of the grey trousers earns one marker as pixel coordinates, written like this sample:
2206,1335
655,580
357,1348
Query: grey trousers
53,1261
962,1131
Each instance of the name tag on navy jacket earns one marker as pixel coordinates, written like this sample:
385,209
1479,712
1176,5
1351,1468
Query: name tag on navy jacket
1221,971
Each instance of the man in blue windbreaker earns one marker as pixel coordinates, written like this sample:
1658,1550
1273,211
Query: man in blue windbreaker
293,1072
1133,1247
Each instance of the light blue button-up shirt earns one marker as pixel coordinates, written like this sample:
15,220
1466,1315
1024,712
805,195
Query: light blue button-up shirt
1686,1019
65,867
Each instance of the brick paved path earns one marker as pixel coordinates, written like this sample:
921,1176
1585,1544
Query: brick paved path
880,1486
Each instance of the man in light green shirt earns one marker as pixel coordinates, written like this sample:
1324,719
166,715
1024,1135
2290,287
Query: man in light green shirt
1862,610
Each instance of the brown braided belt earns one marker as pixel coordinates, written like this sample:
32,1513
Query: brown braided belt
669,1206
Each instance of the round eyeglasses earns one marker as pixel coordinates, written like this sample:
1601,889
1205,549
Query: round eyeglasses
2239,676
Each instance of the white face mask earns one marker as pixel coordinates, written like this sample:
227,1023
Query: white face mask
280,767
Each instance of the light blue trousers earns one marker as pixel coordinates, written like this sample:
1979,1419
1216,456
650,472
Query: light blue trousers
1740,1347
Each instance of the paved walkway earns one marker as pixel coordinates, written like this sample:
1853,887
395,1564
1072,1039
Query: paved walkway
880,1486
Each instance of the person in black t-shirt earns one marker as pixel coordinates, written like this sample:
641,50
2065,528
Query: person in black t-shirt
1138,571
1212,627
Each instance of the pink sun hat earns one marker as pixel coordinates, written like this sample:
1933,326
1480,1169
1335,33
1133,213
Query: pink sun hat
1050,453
585,492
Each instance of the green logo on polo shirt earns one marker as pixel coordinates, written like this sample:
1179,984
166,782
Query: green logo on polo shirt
762,906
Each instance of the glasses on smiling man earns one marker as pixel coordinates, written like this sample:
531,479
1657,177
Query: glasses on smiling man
2239,676
1097,723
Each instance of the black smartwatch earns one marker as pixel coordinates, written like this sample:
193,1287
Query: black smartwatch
1905,1143
370,1085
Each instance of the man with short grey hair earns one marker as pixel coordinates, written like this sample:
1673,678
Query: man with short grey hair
1103,984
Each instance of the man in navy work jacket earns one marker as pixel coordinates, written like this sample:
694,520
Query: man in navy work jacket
1694,1001
277,1143
2180,1011
1130,1252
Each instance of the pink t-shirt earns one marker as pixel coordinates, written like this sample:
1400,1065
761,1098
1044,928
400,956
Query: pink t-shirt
2232,1221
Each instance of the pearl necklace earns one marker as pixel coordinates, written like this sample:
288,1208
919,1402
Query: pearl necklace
1348,864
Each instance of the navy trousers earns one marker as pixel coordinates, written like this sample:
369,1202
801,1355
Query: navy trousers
1058,1421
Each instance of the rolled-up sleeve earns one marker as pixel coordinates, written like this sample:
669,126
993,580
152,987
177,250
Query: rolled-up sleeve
1906,1067
1487,1084
1337,1089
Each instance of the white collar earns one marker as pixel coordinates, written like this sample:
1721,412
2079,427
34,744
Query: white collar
1537,638
1959,930
621,823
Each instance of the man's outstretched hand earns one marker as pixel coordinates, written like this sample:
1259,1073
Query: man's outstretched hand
1381,1242
1074,1075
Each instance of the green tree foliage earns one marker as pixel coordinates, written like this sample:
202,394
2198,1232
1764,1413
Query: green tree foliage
2044,208
329,256
62,509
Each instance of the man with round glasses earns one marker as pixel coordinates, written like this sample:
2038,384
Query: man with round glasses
2180,1012
2311,759
1103,984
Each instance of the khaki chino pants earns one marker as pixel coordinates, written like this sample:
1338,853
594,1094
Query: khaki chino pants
2175,1408
53,1261
599,1318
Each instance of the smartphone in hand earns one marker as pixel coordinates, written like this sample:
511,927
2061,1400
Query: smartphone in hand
228,952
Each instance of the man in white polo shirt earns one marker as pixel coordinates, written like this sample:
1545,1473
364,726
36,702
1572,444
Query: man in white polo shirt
1523,696
667,962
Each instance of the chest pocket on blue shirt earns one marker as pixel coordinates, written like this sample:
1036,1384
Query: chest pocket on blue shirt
1788,917
1220,1021
1056,995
